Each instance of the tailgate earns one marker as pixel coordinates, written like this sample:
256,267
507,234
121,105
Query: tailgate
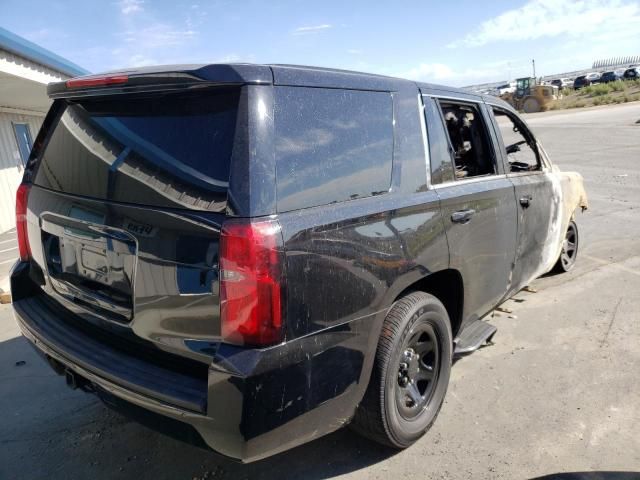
129,193
138,272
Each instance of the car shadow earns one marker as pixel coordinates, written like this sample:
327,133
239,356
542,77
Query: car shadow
49,428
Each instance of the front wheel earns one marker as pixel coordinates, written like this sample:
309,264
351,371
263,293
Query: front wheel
410,375
569,252
531,105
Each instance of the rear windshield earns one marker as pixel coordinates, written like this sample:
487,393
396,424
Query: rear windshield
160,150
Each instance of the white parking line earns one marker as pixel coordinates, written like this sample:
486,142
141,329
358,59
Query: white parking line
7,241
8,261
8,249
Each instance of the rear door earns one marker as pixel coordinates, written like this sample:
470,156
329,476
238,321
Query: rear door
477,200
534,193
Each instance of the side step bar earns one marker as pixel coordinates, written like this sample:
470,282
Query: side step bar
473,337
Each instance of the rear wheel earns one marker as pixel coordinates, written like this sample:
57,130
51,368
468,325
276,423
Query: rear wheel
410,375
569,252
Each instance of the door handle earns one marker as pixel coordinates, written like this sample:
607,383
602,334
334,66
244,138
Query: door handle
526,200
463,216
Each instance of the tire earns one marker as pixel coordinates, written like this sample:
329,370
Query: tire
569,254
388,413
531,105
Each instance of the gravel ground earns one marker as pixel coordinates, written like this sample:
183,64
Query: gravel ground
558,392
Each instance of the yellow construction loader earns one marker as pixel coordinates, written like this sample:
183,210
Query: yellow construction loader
530,97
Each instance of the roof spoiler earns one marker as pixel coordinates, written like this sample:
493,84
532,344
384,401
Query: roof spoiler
161,78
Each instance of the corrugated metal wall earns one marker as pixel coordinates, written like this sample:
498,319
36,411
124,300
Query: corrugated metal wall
11,165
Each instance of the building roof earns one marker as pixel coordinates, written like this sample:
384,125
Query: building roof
24,48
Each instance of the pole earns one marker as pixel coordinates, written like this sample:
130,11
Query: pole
533,62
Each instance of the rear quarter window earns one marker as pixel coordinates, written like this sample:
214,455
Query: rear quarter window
331,145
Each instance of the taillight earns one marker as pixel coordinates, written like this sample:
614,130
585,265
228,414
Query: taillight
21,221
251,282
97,81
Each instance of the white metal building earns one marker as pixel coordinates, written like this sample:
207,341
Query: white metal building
25,70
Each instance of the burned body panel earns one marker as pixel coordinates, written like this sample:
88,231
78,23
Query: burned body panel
546,201
532,194
554,198
569,196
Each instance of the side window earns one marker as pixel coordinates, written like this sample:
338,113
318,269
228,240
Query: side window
519,143
469,140
331,145
439,151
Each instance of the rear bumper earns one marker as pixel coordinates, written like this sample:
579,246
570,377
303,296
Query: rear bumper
38,319
252,403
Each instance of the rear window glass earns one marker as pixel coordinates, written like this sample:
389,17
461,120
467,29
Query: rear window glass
168,150
331,145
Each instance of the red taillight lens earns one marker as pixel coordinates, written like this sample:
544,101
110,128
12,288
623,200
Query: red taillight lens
21,221
97,81
251,282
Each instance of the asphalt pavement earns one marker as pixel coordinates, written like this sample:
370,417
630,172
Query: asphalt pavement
556,394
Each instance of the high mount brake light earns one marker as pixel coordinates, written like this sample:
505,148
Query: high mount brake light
251,282
97,81
22,196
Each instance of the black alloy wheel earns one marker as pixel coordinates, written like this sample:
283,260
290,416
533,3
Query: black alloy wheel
410,373
417,371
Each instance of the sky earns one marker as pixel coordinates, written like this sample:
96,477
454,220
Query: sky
455,42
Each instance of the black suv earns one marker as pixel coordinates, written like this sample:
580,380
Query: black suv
581,81
252,256
611,76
